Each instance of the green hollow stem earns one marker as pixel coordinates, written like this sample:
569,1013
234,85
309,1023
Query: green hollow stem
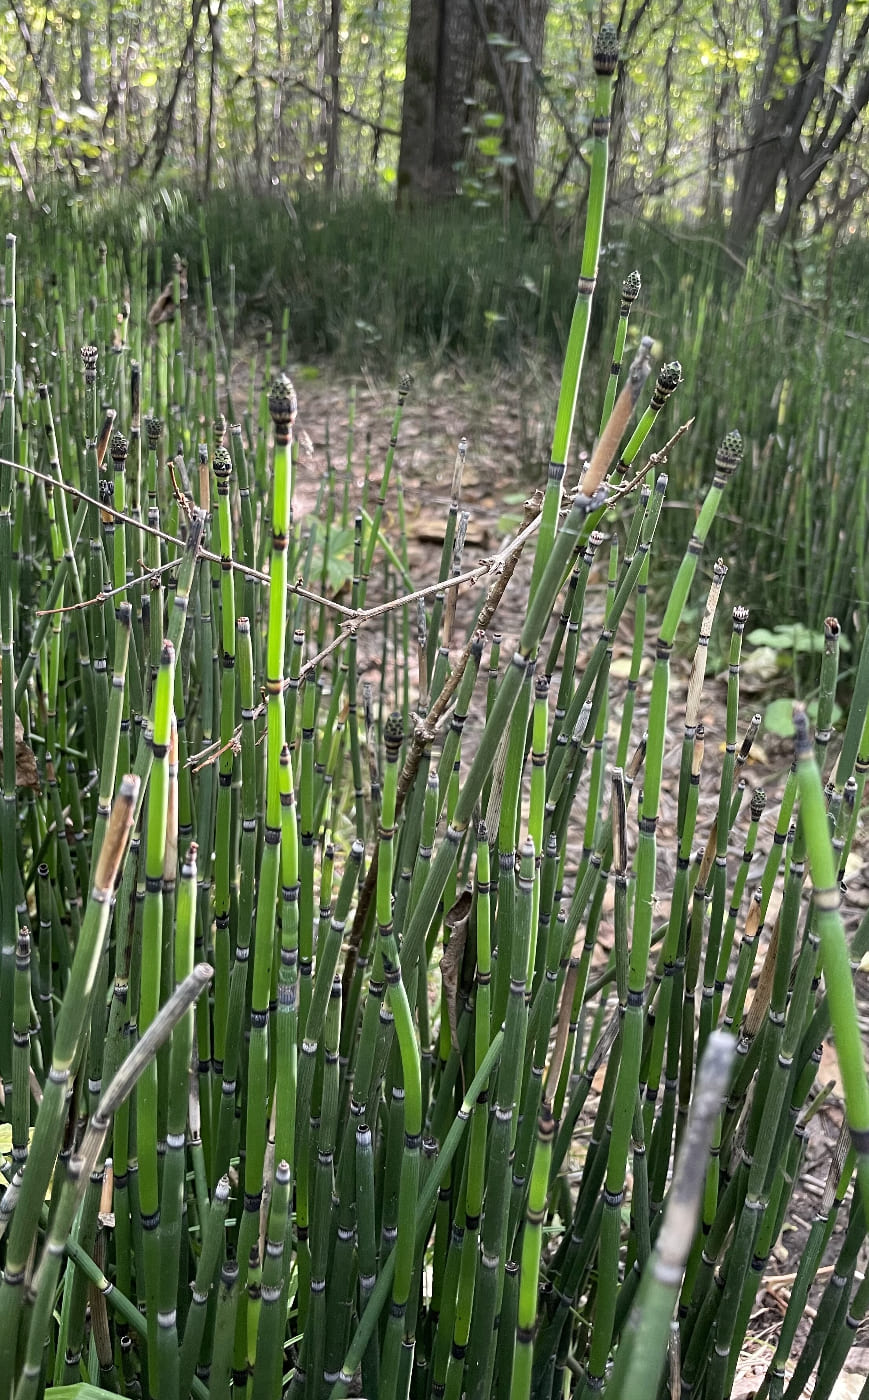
427,1197
606,53
69,1029
642,1350
834,951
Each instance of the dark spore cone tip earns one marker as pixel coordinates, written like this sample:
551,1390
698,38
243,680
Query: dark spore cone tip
729,454
222,464
405,384
283,403
669,377
393,734
631,286
606,50
119,448
89,356
758,803
153,430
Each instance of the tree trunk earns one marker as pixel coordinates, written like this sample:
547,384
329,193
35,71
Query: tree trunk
87,82
333,73
777,143
441,51
523,24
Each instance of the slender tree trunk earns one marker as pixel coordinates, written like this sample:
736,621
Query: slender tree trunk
523,24
87,82
776,123
159,144
441,46
333,72
448,54
214,33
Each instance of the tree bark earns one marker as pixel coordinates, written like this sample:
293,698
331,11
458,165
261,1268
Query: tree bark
450,54
333,112
793,134
439,64
523,23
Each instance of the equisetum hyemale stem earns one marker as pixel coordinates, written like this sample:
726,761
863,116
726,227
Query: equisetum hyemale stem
642,1350
835,959
606,53
69,1029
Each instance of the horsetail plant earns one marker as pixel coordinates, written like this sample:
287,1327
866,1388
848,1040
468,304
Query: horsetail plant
419,1137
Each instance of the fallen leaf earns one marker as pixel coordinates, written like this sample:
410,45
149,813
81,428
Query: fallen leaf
26,771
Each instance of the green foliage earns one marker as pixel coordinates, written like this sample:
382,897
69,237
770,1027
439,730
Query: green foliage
218,94
325,970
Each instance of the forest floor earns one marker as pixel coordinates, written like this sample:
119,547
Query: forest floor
507,422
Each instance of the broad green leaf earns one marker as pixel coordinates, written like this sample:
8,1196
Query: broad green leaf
82,1390
778,718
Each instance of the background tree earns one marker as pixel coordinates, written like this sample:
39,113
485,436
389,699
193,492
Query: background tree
472,69
809,97
728,112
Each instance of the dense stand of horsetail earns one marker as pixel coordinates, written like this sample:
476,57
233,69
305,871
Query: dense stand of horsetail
353,1039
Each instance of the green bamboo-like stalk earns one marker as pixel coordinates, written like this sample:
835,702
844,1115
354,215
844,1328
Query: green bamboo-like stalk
314,1344
225,1124
169,1232
670,974
114,720
481,1354
159,1359
210,1258
640,1356
267,1372
282,406
827,689
631,287
307,800
722,824
378,1295
758,804
520,1379
68,537
224,863
629,1062
834,953
762,1135
224,1330
476,1159
854,740
367,1248
120,451
631,572
831,1313
839,1343
606,53
20,1106
69,1029
399,1331
82,1164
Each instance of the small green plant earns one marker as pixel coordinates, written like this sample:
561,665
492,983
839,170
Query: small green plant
784,650
325,1069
